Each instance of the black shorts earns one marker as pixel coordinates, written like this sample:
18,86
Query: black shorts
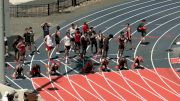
121,46
106,48
100,45
57,42
5,43
68,47
72,39
27,43
78,44
143,33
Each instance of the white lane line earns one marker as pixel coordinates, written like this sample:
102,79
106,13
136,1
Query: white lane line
154,14
13,82
142,98
36,84
109,80
129,12
159,12
79,20
59,85
169,57
72,84
148,80
160,75
93,81
132,82
133,15
142,77
93,14
53,83
112,87
152,55
155,29
70,81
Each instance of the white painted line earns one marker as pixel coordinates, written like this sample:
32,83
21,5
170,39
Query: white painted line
13,82
152,55
169,57
36,84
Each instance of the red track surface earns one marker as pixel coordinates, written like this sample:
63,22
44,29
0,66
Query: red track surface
132,85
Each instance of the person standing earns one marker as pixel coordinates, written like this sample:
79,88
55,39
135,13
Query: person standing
67,46
49,43
27,37
100,38
85,42
21,49
31,31
92,35
57,39
72,31
77,41
45,26
128,34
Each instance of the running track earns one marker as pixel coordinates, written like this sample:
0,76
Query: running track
159,81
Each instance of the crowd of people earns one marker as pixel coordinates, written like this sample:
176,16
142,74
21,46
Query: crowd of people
78,41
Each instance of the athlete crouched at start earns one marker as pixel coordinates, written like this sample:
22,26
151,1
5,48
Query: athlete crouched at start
35,71
18,73
137,61
121,64
104,65
53,68
88,67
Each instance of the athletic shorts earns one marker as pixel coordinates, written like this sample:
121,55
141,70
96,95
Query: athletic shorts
27,43
100,45
5,43
57,42
121,46
78,44
68,47
48,48
143,33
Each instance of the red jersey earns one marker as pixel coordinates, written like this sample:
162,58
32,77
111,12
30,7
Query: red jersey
77,37
85,28
22,47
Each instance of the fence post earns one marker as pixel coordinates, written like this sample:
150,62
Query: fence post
48,9
74,2
58,6
17,13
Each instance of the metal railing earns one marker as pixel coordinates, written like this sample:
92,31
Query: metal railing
42,9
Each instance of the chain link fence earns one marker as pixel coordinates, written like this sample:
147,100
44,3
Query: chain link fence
42,9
